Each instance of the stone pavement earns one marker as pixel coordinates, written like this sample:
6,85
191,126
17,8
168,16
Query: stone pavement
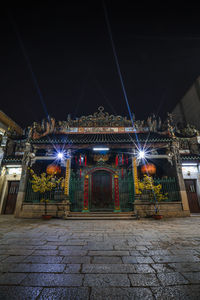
136,259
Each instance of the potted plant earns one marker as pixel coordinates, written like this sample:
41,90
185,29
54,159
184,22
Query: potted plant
155,194
43,184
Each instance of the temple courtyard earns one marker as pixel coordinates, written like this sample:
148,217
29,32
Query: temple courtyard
102,259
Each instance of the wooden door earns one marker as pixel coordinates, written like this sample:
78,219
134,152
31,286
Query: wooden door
101,191
190,185
13,187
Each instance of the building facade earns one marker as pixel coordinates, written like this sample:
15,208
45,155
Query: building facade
187,110
98,157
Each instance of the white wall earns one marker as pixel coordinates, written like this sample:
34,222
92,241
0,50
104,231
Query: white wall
193,172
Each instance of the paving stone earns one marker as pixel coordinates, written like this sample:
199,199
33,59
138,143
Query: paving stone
101,280
106,260
38,268
143,268
11,278
173,258
159,252
52,280
144,280
73,253
24,252
71,248
99,246
8,247
177,293
120,293
76,259
19,293
108,253
45,252
72,268
108,268
2,257
43,259
172,278
185,267
137,259
163,268
193,277
14,259
46,247
184,252
80,293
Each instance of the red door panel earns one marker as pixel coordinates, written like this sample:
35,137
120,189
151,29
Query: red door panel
101,191
193,202
13,187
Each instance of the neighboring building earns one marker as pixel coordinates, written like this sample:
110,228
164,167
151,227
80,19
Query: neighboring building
187,111
100,166
11,143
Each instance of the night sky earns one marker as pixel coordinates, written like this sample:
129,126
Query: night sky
70,52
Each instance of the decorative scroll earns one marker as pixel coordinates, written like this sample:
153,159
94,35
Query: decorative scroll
67,176
116,184
135,175
86,192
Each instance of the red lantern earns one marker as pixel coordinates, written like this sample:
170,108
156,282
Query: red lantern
148,169
53,169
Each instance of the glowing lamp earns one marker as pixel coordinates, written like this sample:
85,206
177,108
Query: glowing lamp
101,149
60,155
148,169
53,169
141,154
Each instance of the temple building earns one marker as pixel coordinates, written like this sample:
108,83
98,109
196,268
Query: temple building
100,159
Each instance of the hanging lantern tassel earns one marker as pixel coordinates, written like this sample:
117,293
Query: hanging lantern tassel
122,158
122,172
80,172
127,159
80,160
85,160
116,160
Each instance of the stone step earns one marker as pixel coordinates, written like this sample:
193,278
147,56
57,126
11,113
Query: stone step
102,216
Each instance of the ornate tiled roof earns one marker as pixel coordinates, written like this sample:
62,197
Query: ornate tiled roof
190,157
12,159
119,138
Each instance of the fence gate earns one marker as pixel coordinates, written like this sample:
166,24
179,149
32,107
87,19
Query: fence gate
126,191
76,192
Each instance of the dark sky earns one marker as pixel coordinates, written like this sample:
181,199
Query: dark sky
71,56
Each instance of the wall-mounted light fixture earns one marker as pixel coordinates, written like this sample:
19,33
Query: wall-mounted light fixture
101,149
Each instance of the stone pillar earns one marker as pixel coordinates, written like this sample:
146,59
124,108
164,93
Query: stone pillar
86,194
66,202
135,175
23,180
177,163
116,184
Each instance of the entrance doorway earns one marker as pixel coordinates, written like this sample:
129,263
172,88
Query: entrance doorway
13,187
193,202
101,198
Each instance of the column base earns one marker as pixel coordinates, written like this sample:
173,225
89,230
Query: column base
85,210
117,209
